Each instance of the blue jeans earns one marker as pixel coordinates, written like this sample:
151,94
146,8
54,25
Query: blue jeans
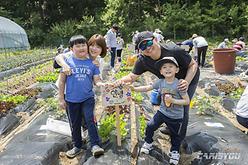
113,53
76,112
174,126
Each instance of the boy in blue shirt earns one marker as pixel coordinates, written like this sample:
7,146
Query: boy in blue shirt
78,98
171,109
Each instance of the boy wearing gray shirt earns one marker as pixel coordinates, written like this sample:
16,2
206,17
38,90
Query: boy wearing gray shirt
171,108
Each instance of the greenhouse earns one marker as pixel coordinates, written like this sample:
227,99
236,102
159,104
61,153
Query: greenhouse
12,36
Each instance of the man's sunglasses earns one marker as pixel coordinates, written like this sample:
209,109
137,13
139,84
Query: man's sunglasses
145,44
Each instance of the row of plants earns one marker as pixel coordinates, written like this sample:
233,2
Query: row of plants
49,77
7,102
18,82
11,60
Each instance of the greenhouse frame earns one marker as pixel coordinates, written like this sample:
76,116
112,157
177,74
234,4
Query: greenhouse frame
12,36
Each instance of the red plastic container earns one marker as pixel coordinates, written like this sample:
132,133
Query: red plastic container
224,60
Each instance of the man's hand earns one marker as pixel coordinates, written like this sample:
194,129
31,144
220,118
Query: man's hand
131,87
183,85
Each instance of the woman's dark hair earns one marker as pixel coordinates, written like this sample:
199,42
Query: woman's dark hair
77,39
99,40
116,27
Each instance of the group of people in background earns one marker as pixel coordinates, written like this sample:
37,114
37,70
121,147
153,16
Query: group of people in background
200,46
237,44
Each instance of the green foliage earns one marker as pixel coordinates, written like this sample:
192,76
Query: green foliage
238,19
137,97
3,12
35,32
121,74
107,125
236,94
53,106
123,128
239,58
202,103
142,124
61,32
16,99
49,77
113,13
177,19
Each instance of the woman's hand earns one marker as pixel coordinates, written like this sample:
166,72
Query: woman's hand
183,85
67,70
96,62
118,83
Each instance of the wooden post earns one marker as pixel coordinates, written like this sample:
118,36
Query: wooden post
118,131
134,118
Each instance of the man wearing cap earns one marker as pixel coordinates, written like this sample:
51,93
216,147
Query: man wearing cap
151,52
201,47
171,109
223,44
111,40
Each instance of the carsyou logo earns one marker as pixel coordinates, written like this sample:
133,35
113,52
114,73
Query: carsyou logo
219,156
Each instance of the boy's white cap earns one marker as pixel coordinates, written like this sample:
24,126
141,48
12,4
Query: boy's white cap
164,60
226,40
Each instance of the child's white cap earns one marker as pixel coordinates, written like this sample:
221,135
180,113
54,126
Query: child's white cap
164,60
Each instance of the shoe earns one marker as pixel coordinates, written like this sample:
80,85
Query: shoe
96,150
73,152
174,157
165,130
146,148
113,70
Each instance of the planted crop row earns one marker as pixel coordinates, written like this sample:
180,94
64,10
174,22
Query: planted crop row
19,82
13,60
8,102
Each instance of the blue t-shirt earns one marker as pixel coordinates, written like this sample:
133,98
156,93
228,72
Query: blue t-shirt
174,111
79,84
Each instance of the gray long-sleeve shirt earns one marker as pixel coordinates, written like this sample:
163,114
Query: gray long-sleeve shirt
111,39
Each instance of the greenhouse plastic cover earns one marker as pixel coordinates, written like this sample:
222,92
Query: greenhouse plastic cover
12,35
